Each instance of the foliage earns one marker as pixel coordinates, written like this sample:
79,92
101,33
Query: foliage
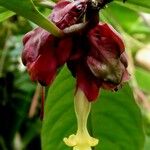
115,119
109,120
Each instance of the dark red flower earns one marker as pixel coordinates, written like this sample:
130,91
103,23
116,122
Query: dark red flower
102,62
95,56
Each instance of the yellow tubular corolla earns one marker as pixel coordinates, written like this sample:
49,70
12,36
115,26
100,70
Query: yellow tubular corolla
82,140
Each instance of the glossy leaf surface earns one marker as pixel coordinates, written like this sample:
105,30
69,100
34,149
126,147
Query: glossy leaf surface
115,118
4,14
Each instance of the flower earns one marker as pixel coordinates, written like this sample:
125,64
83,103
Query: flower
95,56
98,60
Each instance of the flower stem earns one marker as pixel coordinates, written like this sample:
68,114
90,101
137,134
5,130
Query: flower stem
45,3
75,28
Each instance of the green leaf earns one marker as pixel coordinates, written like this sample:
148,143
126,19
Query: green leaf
27,9
128,19
115,118
5,14
136,8
143,5
147,143
142,77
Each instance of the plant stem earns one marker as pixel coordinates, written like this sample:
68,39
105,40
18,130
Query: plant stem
45,3
75,28
34,103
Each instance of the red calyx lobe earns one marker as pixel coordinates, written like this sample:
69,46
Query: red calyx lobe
102,62
106,57
43,53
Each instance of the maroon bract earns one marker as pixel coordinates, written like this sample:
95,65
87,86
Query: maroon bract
106,58
42,56
43,53
102,62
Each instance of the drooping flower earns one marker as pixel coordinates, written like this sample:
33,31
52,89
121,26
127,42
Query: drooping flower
98,60
95,56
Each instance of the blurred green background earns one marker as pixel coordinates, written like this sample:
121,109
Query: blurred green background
123,122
